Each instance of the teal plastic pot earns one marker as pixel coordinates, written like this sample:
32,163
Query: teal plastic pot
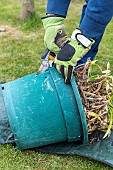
43,110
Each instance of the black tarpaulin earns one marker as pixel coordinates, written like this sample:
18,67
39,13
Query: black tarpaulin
101,151
6,135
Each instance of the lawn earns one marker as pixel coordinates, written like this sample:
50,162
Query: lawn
20,48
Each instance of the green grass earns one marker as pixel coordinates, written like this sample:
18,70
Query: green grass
20,49
10,13
13,159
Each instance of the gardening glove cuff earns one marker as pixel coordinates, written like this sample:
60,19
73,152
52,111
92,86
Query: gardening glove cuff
55,34
71,52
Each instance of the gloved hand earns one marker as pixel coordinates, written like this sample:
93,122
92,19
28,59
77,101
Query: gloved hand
55,35
70,53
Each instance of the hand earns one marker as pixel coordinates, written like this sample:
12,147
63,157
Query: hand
72,51
55,35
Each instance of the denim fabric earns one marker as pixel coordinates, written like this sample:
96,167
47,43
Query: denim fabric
59,7
93,23
94,49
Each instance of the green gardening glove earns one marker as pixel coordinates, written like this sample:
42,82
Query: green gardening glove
55,35
70,53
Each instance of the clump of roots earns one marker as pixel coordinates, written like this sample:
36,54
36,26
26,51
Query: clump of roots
96,92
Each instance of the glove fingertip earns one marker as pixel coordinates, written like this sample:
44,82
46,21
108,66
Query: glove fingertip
62,71
69,75
54,64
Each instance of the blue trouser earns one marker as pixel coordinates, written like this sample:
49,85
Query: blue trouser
94,49
96,14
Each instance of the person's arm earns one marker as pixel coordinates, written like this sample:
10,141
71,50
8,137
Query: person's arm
97,15
58,7
53,23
